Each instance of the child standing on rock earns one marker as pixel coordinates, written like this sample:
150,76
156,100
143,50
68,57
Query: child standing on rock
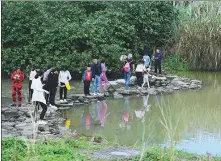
86,79
17,78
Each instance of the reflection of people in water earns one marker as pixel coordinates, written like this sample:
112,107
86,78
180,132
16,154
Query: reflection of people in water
158,99
67,122
102,111
141,113
86,118
126,114
95,112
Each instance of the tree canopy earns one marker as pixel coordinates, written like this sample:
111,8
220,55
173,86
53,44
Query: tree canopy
71,33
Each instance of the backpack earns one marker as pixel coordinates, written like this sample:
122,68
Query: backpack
88,76
127,67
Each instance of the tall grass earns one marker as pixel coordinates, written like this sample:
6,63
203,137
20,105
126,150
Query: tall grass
199,35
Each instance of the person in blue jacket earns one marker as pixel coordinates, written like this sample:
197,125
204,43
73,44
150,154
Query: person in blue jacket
146,58
96,72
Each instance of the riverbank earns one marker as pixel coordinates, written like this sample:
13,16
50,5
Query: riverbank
163,84
80,148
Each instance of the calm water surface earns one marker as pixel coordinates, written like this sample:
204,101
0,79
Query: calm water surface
192,118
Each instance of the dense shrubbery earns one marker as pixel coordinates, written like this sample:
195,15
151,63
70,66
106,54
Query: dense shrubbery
70,33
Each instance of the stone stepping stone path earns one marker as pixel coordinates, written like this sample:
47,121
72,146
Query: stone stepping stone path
115,153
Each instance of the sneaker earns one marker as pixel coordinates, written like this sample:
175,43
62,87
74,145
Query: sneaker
42,122
13,105
95,94
65,100
19,105
53,107
61,101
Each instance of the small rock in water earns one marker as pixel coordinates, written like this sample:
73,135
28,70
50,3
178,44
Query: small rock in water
176,88
81,99
117,95
193,86
196,81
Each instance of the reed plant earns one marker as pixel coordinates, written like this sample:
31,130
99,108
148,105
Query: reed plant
199,34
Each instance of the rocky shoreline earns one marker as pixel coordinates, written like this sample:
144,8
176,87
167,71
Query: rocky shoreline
159,85
18,122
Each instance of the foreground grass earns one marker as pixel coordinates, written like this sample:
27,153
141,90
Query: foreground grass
77,149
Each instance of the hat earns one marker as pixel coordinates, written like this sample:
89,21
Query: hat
18,67
129,56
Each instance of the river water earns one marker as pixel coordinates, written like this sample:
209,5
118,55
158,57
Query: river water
189,119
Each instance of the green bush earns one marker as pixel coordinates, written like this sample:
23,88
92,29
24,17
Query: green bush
175,62
71,33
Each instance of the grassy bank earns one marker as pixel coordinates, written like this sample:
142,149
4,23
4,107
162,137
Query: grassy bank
77,149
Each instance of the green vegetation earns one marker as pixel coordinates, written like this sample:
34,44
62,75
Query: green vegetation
70,33
198,35
76,149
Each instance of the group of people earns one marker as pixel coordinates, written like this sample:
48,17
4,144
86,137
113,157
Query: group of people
142,69
43,84
97,74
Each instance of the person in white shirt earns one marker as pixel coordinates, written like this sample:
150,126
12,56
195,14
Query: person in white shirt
139,73
31,77
63,78
38,95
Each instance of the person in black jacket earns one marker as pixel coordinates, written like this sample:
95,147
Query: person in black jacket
52,84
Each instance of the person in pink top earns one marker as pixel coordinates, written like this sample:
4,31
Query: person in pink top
103,77
102,112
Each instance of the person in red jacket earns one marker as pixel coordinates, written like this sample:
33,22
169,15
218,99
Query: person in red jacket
86,79
17,78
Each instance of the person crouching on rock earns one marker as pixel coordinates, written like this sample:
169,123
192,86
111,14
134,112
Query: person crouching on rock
17,78
38,95
86,79
52,84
